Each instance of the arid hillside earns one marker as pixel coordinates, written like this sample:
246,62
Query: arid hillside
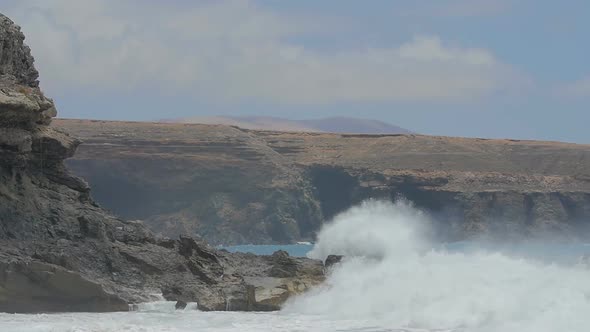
329,125
233,185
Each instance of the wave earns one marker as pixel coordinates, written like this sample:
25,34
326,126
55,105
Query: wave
393,274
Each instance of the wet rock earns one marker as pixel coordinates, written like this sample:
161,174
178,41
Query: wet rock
332,260
283,277
180,305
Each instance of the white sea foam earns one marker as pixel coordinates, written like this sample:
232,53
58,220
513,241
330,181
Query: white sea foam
392,279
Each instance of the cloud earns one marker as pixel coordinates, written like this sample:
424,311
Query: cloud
236,51
456,8
472,8
577,89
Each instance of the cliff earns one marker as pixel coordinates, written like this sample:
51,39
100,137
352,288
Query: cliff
59,251
233,185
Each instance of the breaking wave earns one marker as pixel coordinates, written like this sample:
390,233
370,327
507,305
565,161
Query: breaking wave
395,277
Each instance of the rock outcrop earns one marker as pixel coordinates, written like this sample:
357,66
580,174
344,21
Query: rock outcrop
332,260
232,185
59,251
16,63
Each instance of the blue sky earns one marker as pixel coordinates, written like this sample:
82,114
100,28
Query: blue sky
484,68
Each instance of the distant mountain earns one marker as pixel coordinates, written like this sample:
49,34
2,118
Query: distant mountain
354,125
331,125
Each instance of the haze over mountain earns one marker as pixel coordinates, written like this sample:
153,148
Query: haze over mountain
328,125
470,68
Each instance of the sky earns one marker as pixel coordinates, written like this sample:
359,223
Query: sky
477,68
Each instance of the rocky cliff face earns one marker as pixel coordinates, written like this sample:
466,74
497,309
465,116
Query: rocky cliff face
232,185
59,251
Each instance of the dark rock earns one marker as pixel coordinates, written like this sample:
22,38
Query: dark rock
166,243
189,245
280,254
180,305
91,228
332,260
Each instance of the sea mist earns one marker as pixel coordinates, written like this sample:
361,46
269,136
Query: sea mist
395,277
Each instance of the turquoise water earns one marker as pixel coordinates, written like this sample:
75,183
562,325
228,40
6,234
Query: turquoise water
560,253
297,250
546,252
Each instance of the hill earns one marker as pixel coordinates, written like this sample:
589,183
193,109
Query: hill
328,125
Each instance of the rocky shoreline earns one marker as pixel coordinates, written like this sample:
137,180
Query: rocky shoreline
59,251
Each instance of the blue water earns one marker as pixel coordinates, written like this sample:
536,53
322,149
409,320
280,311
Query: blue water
546,252
559,253
296,250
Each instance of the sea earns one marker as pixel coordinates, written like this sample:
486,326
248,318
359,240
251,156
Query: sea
394,277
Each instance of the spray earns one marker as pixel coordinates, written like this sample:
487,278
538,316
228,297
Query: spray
394,276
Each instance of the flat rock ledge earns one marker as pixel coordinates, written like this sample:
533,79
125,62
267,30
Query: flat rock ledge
41,287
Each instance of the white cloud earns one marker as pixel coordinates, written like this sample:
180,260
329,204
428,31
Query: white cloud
452,9
235,51
431,49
